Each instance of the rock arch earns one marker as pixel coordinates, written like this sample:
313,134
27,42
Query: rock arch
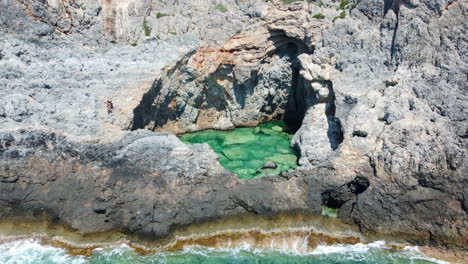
254,77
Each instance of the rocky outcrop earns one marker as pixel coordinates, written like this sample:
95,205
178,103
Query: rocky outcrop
378,94
249,80
408,139
129,21
144,183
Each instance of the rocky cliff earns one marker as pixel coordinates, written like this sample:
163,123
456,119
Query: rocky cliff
376,88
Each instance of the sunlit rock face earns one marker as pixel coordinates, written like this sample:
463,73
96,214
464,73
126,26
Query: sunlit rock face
251,79
378,95
270,73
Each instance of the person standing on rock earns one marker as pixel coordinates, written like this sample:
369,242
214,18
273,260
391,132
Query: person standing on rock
110,106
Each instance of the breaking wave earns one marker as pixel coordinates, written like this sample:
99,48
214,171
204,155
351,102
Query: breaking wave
33,251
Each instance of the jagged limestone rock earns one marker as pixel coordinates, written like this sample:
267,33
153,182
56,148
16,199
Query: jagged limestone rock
394,70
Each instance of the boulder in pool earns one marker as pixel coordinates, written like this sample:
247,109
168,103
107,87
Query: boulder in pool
269,165
277,128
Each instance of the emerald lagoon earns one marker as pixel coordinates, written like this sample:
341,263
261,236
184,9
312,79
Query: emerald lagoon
251,152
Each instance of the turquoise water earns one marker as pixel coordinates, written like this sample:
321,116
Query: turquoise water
30,251
330,212
245,150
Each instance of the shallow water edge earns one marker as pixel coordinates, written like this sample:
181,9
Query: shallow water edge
250,152
297,234
31,251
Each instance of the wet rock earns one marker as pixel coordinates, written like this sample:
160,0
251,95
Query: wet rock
269,165
277,129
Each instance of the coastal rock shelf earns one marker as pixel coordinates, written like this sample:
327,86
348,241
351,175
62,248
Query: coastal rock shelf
94,94
251,151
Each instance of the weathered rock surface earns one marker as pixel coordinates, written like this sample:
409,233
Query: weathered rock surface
379,96
143,183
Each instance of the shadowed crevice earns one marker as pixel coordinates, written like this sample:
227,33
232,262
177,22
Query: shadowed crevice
335,133
183,100
395,6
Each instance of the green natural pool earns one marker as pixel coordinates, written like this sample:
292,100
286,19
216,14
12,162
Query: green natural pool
245,151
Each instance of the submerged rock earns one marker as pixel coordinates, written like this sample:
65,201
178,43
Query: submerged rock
277,128
269,165
247,154
239,137
267,131
284,159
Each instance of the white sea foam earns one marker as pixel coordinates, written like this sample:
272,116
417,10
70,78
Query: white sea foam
116,250
416,254
295,249
357,248
30,251
341,252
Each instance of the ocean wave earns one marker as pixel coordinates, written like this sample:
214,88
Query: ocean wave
375,252
340,248
31,251
418,255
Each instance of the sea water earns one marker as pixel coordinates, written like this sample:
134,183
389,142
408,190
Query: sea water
246,150
32,251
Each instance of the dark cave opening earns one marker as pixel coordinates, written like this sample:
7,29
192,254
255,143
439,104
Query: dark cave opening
335,134
296,105
234,96
273,89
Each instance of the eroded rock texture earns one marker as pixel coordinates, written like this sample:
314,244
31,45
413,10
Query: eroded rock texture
252,78
379,96
143,183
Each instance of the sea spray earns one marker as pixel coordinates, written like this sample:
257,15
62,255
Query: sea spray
298,239
31,251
